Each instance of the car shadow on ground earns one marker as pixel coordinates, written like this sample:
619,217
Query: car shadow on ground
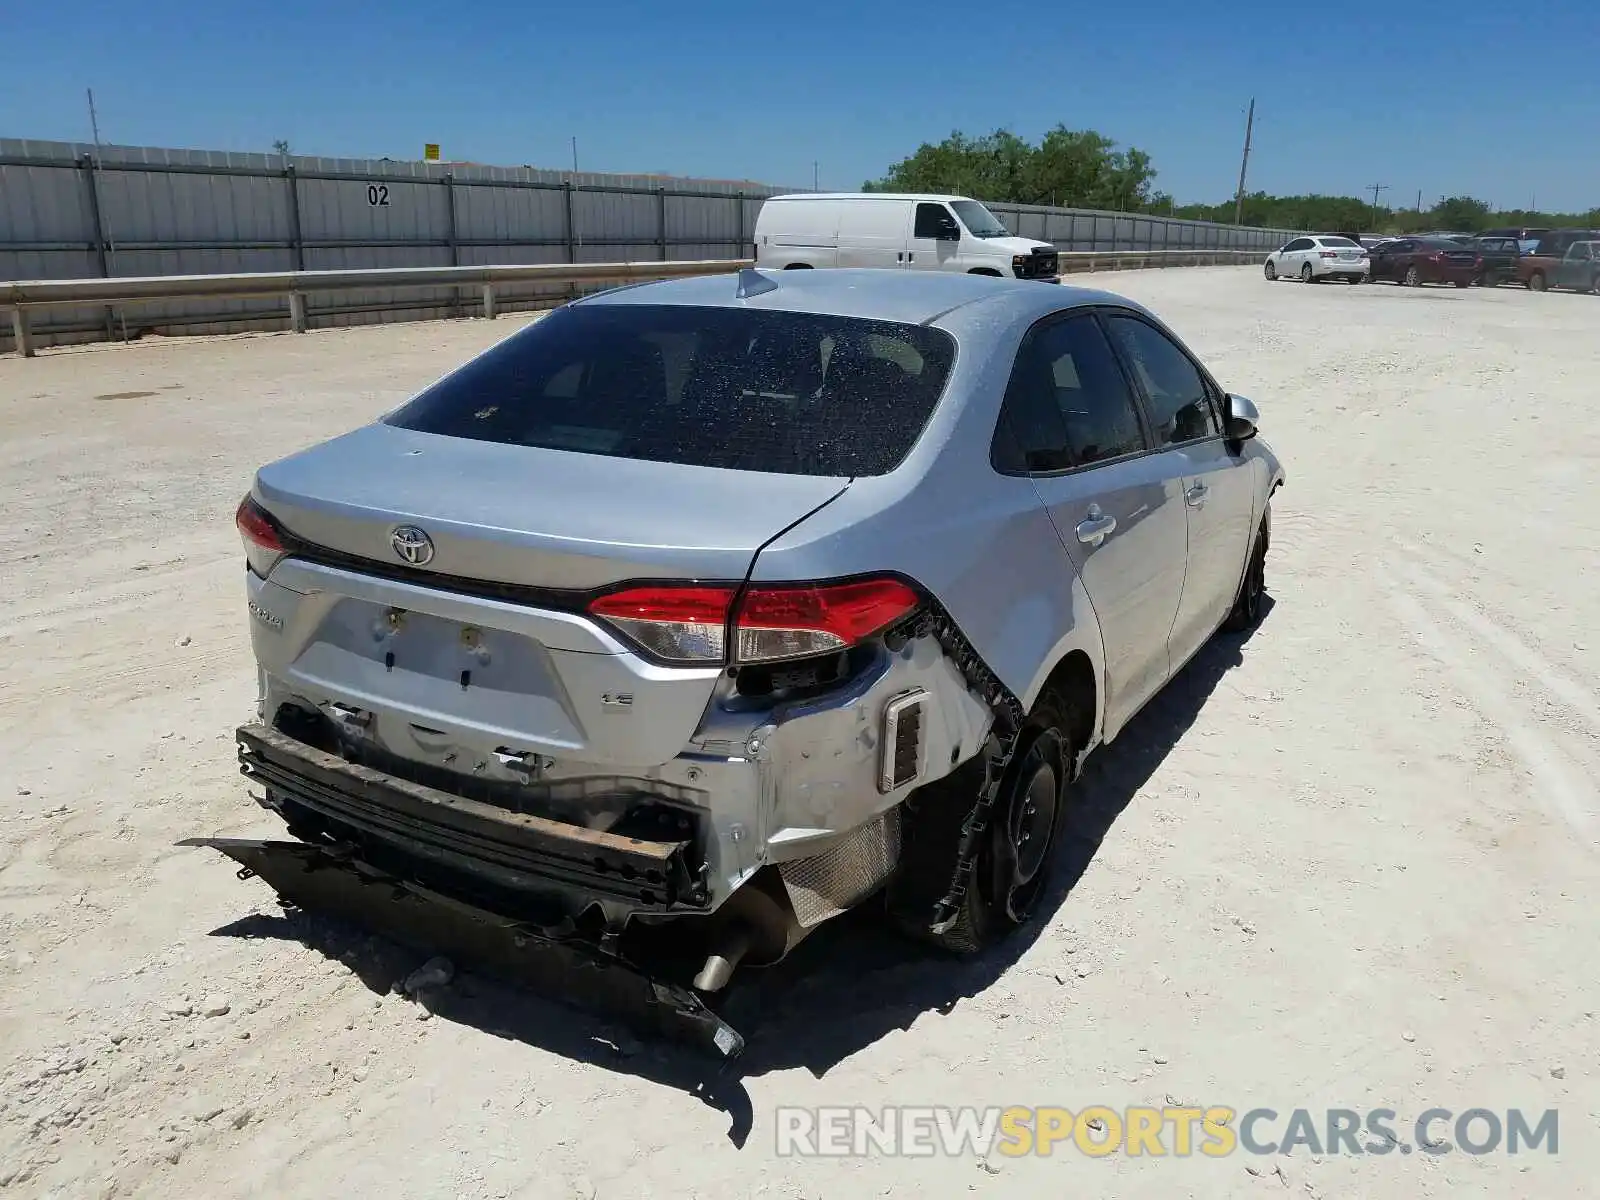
848,985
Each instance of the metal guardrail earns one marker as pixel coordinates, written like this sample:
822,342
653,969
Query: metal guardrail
22,297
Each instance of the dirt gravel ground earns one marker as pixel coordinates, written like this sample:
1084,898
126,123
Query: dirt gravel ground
1350,862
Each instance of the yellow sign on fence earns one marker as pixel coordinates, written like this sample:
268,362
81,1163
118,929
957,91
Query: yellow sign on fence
430,152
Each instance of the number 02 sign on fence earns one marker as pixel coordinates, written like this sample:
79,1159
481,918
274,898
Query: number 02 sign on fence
378,195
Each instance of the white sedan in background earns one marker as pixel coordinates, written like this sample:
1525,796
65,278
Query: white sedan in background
1325,256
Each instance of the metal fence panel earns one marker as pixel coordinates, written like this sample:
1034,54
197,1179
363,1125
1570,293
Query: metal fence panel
70,210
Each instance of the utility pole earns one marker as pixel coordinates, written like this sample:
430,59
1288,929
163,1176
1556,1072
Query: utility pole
574,158
1376,188
816,176
111,241
1244,162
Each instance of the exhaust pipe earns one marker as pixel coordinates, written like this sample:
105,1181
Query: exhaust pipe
756,923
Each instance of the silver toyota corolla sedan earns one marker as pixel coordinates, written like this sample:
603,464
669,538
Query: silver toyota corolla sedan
701,611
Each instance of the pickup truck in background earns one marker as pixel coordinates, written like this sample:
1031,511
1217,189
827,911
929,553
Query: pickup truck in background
1576,266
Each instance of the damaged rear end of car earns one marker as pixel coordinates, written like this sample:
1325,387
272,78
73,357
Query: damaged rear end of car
518,670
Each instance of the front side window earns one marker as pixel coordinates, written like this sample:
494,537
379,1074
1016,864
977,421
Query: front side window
741,389
1180,402
1068,403
934,221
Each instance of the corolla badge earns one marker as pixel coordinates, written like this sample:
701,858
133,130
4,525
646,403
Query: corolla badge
412,545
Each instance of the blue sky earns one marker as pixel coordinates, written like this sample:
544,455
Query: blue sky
1500,101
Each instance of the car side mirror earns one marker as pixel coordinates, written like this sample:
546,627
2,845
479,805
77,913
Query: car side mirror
949,231
1242,419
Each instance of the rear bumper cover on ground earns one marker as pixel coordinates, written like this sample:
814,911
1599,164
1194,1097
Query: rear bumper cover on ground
331,880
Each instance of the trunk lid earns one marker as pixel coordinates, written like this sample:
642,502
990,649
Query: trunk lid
480,654
539,518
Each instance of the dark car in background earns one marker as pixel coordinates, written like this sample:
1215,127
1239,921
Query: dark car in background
1414,261
1526,236
1500,255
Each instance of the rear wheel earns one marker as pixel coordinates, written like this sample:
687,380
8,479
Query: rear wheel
1012,866
1413,277
1305,273
1537,282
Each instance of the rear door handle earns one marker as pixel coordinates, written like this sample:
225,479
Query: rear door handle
1096,527
1196,496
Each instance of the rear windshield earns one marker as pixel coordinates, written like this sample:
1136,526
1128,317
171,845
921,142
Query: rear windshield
1337,241
748,390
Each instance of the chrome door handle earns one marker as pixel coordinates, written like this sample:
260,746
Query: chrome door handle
1095,528
1196,496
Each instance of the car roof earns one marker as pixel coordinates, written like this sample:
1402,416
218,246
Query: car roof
909,297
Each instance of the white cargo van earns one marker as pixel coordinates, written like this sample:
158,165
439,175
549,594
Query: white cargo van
908,233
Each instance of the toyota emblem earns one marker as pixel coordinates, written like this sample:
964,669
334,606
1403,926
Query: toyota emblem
413,545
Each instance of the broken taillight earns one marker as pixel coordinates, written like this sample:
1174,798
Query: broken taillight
263,547
711,625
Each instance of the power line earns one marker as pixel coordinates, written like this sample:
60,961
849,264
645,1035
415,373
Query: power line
1376,188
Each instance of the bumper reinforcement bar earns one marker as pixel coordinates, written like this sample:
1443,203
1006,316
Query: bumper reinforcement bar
517,850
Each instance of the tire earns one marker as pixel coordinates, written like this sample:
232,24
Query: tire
1413,277
1537,282
1246,611
1270,271
1016,852
1305,273
1463,283
1488,280
1352,279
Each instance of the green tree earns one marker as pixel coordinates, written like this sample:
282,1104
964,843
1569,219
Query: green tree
1070,168
1462,213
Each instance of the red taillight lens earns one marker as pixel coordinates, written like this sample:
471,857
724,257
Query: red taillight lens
1330,254
678,624
263,547
689,624
793,622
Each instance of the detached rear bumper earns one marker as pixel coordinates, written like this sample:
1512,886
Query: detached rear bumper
516,851
325,879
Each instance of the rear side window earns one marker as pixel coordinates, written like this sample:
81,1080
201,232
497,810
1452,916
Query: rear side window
747,390
1067,404
1180,402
